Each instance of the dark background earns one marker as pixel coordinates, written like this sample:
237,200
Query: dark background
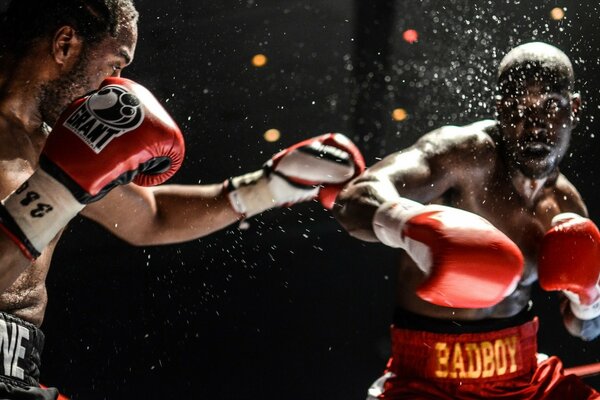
292,307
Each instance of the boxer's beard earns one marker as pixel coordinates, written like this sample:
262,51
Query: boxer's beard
57,94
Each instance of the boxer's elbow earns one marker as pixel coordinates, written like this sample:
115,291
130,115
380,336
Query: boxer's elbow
150,232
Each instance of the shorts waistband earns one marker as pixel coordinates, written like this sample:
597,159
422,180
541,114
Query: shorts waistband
408,320
461,357
21,345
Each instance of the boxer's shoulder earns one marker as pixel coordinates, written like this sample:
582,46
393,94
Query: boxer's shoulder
465,146
567,196
448,138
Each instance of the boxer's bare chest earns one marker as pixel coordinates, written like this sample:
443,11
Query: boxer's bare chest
26,297
523,209
523,214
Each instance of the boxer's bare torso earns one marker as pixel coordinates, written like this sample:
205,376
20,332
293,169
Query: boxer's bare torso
26,298
464,169
22,137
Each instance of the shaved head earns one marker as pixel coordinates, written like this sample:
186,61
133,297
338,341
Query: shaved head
538,63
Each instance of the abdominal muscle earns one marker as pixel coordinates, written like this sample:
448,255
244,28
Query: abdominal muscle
410,277
27,297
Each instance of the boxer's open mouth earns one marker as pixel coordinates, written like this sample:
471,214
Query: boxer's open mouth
537,148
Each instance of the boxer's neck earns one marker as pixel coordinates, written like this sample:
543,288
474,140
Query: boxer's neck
19,95
529,189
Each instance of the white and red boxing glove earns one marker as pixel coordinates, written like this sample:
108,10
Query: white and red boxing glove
468,262
113,136
569,261
315,168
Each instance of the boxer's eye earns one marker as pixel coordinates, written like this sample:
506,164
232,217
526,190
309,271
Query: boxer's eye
552,106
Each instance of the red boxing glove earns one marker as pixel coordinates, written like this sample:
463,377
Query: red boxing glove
569,260
315,168
468,262
113,136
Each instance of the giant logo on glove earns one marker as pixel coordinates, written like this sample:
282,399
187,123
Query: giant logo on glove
105,115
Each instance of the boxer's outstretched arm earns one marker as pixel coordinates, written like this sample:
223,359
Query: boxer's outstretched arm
314,168
421,173
454,249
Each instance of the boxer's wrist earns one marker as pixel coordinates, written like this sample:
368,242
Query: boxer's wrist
389,220
582,311
39,209
249,194
261,190
564,217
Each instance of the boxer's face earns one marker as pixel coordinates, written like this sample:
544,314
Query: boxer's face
536,127
94,63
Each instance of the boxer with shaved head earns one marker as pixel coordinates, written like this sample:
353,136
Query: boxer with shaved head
480,212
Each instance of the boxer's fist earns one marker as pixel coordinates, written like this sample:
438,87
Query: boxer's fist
569,260
110,137
468,263
315,168
115,135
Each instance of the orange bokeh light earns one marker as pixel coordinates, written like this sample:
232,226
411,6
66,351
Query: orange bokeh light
410,36
399,114
557,13
259,60
272,135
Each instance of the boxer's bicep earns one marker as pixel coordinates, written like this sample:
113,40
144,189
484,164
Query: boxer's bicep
413,173
568,197
432,166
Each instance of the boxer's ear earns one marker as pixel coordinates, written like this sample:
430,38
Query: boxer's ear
67,47
575,108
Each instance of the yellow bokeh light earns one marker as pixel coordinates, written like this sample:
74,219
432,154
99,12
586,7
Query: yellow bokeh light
272,135
399,114
259,60
557,13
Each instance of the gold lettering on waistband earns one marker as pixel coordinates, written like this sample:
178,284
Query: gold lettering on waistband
442,354
457,364
487,354
475,360
500,355
511,344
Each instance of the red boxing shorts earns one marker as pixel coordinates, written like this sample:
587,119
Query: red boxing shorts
21,344
474,364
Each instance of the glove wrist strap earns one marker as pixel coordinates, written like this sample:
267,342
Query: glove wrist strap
582,311
37,211
389,220
249,194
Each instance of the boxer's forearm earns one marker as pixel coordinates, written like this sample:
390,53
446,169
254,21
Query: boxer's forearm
188,212
315,168
357,203
165,214
354,210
